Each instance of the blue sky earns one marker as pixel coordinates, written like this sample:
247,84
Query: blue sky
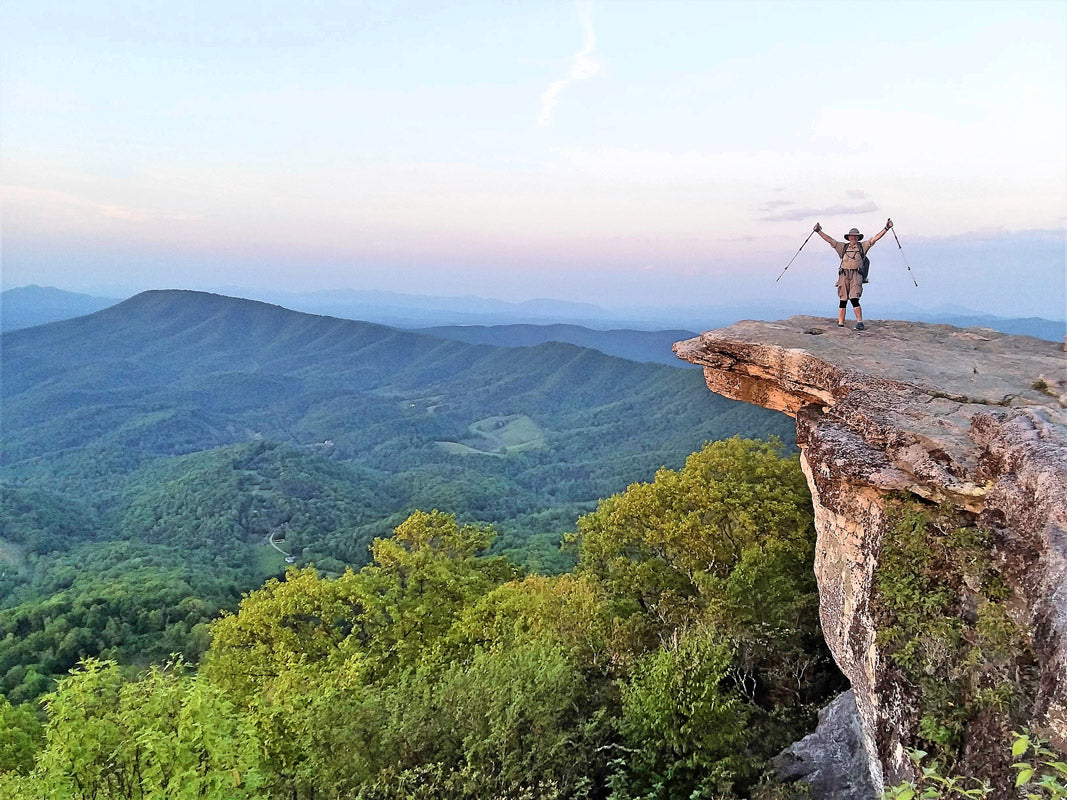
616,152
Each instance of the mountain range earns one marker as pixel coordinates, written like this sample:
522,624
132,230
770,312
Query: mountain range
102,406
166,454
634,345
33,305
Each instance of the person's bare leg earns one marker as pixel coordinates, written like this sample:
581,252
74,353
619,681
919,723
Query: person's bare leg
840,316
859,313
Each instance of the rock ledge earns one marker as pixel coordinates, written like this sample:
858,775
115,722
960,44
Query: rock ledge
969,417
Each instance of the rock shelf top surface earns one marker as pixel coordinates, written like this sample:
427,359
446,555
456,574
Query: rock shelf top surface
974,365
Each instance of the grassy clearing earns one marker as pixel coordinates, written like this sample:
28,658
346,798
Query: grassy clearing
498,436
268,561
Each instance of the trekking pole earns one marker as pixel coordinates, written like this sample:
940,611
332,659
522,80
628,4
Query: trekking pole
794,258
906,264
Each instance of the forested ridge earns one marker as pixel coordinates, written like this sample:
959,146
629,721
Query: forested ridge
152,450
679,654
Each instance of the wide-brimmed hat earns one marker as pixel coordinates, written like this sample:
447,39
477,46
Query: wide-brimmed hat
854,232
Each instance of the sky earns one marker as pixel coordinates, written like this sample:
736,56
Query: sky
622,153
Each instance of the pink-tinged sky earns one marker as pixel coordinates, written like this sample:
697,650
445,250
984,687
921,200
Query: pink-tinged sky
615,152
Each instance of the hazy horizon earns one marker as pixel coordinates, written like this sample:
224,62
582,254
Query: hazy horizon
545,310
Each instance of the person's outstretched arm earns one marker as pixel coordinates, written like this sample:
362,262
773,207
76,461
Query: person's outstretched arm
880,234
825,238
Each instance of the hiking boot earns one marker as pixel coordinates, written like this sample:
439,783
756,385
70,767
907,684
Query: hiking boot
859,326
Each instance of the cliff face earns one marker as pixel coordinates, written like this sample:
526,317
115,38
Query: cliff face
969,419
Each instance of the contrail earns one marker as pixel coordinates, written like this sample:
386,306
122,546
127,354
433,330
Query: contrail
584,65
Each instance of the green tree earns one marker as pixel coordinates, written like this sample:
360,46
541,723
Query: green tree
420,580
299,621
292,658
713,559
166,736
570,610
525,718
653,540
323,665
521,695
21,737
686,730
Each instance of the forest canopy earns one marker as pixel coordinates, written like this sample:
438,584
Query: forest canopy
677,657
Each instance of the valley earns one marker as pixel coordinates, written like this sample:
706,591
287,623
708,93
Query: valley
183,432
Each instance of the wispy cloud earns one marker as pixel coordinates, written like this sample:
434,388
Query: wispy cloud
774,205
65,201
794,214
583,65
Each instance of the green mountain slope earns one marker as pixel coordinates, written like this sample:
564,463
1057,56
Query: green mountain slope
169,373
193,441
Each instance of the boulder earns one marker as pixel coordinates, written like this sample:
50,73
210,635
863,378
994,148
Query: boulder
831,761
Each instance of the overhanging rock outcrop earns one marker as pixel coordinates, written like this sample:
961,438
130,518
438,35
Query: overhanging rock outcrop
971,418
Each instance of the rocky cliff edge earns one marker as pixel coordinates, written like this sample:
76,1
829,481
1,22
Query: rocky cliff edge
969,419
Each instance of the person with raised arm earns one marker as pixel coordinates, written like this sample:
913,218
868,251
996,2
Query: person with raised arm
851,273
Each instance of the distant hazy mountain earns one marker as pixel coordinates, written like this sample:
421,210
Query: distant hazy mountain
27,306
646,346
1053,330
419,311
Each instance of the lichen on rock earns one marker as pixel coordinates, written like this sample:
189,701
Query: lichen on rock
964,423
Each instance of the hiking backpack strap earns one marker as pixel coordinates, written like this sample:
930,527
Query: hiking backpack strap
865,263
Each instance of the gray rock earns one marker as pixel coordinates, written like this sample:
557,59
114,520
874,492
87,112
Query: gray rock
831,760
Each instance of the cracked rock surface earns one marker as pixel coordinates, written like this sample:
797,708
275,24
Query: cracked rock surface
968,417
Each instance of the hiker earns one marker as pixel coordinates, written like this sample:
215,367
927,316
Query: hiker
849,277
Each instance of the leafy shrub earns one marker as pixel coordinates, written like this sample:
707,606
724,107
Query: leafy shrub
1042,777
166,735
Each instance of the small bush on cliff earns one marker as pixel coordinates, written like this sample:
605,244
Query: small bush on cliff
942,613
1040,774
